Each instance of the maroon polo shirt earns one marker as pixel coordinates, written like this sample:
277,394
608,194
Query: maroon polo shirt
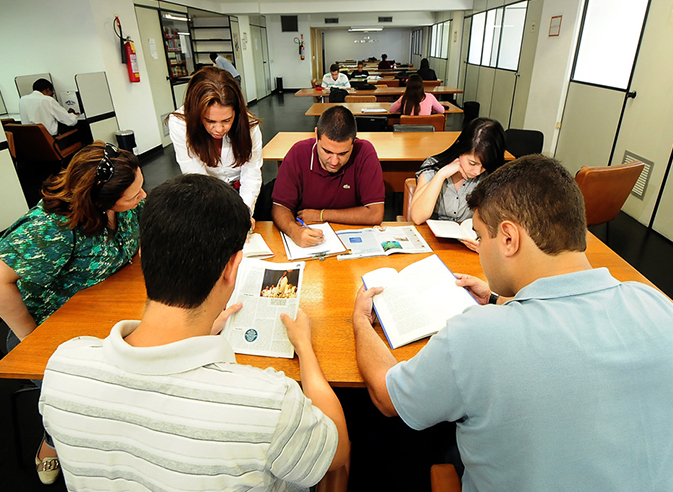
300,185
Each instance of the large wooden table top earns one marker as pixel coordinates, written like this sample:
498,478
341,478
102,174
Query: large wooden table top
328,293
390,146
383,91
317,109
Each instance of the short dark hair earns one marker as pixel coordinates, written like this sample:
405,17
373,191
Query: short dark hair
384,56
540,195
42,85
213,56
334,67
189,229
337,123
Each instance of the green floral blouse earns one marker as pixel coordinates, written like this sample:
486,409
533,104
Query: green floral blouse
55,262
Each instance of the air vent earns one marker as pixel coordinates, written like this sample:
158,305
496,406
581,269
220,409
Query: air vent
641,185
385,19
289,23
331,20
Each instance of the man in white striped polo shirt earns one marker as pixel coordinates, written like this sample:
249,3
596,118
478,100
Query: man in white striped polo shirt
161,404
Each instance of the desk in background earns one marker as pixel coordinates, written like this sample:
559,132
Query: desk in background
400,154
380,92
328,294
317,109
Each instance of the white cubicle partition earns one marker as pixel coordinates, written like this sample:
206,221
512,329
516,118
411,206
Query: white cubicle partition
94,94
24,83
13,204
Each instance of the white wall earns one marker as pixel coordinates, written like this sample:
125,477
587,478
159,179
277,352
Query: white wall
284,53
75,36
13,203
340,45
551,70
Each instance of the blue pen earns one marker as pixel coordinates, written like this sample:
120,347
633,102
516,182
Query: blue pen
303,224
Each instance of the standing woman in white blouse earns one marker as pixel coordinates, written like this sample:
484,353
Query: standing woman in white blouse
215,134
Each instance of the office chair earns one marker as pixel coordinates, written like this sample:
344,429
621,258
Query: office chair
10,143
358,99
371,123
605,189
33,143
436,120
413,128
523,142
409,189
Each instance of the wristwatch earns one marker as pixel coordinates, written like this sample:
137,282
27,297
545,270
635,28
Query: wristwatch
493,298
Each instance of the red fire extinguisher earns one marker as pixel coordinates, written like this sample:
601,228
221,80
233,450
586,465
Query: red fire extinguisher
301,48
132,61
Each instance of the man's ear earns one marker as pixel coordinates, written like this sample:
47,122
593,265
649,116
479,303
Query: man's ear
510,238
231,269
316,133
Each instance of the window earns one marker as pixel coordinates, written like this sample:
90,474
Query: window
439,40
495,39
609,41
417,42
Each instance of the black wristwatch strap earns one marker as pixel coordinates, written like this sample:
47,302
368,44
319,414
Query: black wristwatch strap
493,298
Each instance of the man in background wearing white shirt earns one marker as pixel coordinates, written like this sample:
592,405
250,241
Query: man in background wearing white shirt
222,62
40,107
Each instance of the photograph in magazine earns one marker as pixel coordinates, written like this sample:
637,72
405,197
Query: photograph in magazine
266,290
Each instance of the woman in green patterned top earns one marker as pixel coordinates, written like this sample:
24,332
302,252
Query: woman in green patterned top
83,230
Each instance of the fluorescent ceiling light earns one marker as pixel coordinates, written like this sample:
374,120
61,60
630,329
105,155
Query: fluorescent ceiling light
173,17
183,33
365,29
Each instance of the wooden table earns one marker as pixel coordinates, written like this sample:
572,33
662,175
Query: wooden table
400,154
381,92
317,109
328,292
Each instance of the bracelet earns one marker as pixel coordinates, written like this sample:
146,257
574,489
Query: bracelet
321,214
493,298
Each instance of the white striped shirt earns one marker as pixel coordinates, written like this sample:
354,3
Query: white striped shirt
179,417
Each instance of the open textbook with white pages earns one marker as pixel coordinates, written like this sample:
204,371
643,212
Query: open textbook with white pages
382,240
453,230
266,290
330,246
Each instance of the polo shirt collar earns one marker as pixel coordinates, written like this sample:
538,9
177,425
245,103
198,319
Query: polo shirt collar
568,285
177,357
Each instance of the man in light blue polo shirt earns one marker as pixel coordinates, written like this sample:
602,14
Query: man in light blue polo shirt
566,383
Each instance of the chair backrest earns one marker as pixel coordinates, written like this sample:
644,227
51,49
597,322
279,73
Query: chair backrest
10,143
371,123
432,83
436,120
33,143
470,112
337,95
314,83
358,99
390,82
605,189
409,189
413,128
523,142
5,121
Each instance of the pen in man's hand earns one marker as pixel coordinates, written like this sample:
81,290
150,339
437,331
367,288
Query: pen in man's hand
303,224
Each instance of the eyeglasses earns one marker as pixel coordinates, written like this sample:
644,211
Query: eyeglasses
106,169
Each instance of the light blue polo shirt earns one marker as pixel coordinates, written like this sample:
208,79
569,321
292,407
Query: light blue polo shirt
569,386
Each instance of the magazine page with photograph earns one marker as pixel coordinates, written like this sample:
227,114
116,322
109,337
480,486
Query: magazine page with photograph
266,290
382,240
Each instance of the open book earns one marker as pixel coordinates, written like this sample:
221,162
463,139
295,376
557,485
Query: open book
256,247
417,301
453,230
382,240
330,246
266,290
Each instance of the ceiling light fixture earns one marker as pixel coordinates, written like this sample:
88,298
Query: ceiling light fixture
365,29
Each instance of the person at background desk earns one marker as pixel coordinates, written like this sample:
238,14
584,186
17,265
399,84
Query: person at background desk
82,231
334,178
384,64
415,101
40,107
225,64
425,72
445,180
360,72
335,79
565,383
215,134
162,401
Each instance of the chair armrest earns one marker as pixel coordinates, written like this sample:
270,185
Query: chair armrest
66,134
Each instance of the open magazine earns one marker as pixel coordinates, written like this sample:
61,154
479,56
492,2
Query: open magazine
417,301
382,240
266,290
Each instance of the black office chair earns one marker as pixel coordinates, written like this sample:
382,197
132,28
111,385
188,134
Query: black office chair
413,128
371,123
523,142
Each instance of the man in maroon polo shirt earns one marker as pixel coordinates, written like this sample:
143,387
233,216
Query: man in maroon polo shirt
332,178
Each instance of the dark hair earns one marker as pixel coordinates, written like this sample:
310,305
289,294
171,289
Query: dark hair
540,195
212,85
384,56
41,85
413,95
425,64
334,67
483,137
213,56
189,229
337,123
73,192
